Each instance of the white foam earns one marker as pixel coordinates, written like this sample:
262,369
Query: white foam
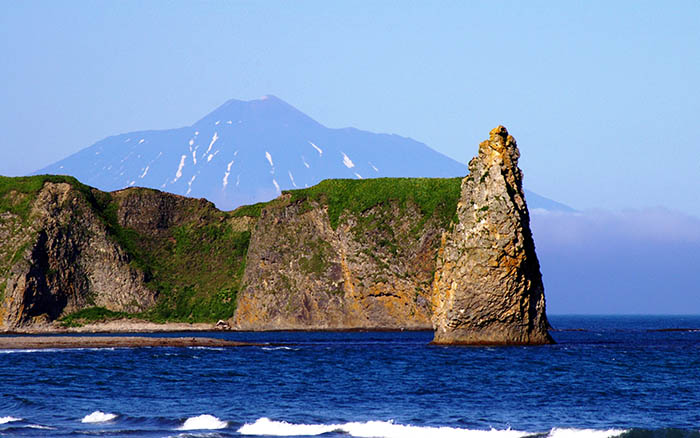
40,427
145,171
98,417
217,122
228,122
303,160
203,422
269,158
5,420
371,429
277,186
347,161
291,177
194,156
210,157
320,151
178,174
585,433
191,142
196,132
358,175
373,166
141,141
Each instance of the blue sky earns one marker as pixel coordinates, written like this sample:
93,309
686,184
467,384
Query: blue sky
602,96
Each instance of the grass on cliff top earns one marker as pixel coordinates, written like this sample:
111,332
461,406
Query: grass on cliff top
432,195
29,186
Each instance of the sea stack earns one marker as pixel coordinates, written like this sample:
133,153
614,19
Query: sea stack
488,287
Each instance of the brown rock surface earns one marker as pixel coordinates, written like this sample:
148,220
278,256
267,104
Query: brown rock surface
369,273
68,262
488,287
393,253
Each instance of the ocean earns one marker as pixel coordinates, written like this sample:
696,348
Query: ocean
607,376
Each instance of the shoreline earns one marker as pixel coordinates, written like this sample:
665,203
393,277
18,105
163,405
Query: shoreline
125,326
67,342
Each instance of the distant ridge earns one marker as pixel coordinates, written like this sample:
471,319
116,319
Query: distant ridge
245,152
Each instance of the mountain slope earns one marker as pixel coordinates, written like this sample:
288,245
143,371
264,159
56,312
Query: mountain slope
247,152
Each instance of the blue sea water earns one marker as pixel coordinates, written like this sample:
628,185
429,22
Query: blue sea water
630,376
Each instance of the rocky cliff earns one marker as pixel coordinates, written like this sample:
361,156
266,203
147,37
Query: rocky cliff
65,247
453,254
347,254
488,287
58,257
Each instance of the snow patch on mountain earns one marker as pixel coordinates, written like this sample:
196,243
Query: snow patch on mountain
347,161
178,174
213,140
189,185
318,149
228,172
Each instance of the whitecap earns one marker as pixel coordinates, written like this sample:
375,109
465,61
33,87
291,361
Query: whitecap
585,433
98,417
203,422
40,427
369,429
5,420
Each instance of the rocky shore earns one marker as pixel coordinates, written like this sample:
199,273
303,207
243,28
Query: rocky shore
51,342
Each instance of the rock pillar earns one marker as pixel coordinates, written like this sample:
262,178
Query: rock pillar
488,286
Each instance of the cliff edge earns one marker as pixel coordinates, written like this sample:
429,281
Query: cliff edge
452,254
488,286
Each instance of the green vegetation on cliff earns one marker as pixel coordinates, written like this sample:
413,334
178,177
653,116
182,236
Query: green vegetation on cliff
91,314
18,193
194,256
197,276
195,265
432,195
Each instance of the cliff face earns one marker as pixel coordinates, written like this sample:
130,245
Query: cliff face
488,287
452,254
63,259
374,270
65,247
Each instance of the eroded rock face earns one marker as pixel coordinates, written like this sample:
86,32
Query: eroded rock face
488,287
372,272
392,254
67,262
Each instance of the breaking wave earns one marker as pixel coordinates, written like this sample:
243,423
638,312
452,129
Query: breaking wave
203,422
378,429
98,417
389,429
